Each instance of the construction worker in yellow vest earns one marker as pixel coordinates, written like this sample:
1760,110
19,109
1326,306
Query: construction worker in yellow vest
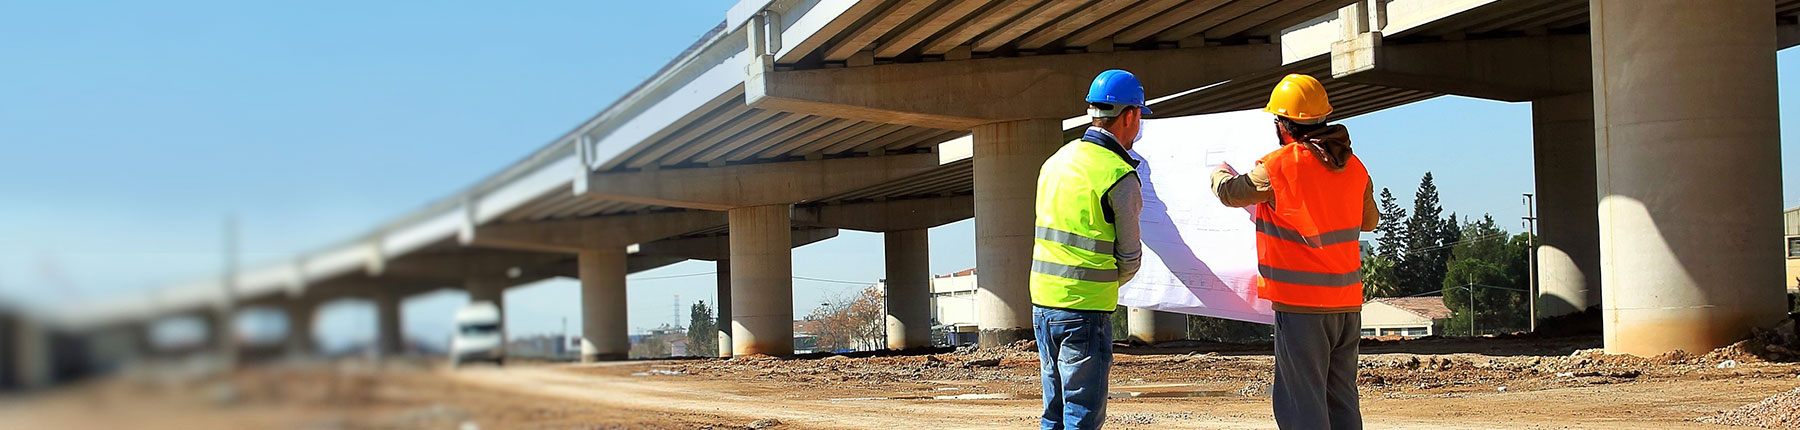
1314,199
1087,245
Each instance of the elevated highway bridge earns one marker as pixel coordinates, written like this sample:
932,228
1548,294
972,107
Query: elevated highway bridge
797,118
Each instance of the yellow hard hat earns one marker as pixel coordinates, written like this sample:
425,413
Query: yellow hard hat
1300,98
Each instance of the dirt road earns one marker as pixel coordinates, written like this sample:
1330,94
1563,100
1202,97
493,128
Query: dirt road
1513,384
1653,405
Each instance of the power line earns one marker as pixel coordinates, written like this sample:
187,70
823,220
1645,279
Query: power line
833,281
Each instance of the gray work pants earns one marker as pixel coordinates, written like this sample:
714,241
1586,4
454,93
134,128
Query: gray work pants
1315,371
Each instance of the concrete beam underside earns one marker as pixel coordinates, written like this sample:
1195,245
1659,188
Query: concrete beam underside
1513,69
572,236
760,184
964,94
889,215
1680,265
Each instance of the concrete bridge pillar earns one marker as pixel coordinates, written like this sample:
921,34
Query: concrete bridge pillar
605,334
389,337
1007,157
30,351
1568,253
762,283
1152,327
300,317
908,288
222,327
723,322
1689,172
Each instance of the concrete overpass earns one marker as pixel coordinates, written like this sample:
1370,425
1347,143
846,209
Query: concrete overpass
795,118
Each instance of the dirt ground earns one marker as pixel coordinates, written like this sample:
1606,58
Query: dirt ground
1524,383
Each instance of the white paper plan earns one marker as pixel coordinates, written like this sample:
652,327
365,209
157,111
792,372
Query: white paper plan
1199,255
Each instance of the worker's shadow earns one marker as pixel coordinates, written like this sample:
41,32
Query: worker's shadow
1162,236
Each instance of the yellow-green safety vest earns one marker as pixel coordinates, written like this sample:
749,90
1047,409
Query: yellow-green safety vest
1072,262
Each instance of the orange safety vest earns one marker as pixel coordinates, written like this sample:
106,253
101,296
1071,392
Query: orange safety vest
1307,247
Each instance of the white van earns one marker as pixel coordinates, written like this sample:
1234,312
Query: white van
479,335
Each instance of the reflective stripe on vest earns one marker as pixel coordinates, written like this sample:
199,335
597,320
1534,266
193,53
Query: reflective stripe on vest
1073,266
1306,242
1094,245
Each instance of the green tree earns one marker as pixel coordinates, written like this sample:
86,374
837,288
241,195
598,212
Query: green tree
1491,266
703,331
1392,228
1422,264
1379,279
851,322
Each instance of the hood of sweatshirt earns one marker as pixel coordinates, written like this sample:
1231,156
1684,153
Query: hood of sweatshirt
1331,145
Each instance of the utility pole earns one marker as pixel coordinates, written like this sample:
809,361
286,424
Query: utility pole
1531,260
675,310
1471,287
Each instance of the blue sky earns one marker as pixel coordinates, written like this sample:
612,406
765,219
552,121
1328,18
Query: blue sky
128,130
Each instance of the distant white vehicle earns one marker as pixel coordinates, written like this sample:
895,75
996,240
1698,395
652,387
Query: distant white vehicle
479,335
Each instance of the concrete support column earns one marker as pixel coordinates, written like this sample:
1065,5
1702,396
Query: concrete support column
1007,157
300,340
141,347
1568,253
31,354
762,283
605,334
1689,172
1153,327
908,289
222,326
724,307
388,334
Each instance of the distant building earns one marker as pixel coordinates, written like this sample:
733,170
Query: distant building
549,347
1404,316
953,311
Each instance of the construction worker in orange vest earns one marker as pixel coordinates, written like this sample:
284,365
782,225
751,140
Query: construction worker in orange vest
1314,199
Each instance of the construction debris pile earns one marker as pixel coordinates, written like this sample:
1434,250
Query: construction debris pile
1778,343
1248,368
1781,411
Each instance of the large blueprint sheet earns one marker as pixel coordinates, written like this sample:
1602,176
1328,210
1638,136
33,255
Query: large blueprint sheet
1199,256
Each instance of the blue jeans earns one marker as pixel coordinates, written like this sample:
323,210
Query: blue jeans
1075,356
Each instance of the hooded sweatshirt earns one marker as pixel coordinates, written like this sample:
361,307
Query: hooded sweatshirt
1331,146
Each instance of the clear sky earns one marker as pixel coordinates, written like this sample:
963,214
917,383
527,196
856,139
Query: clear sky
128,130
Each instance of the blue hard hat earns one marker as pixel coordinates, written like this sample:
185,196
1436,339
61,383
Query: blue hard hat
1117,87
